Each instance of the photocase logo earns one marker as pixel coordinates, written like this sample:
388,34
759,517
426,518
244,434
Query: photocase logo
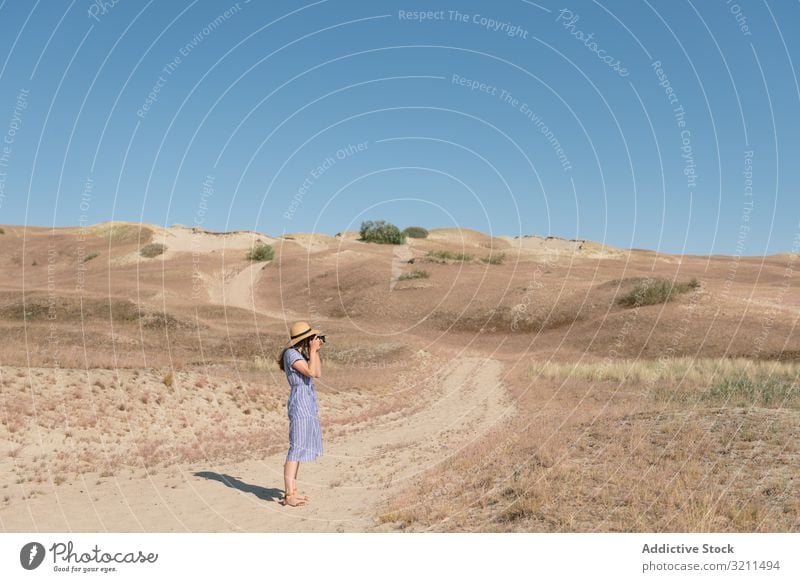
31,555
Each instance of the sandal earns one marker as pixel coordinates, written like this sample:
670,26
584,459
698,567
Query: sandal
293,500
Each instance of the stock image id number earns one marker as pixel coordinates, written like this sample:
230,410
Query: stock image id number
755,565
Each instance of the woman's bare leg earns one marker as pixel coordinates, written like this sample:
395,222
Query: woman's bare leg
300,495
289,472
290,483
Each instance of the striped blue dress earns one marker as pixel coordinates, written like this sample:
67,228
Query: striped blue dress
305,433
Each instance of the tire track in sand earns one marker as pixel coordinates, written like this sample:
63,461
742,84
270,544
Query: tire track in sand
239,291
359,471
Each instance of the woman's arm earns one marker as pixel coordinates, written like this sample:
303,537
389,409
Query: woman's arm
312,368
313,359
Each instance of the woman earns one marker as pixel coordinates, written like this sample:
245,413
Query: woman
300,360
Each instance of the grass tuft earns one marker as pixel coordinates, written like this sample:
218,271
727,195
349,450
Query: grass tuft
414,275
655,291
747,391
444,256
152,250
494,259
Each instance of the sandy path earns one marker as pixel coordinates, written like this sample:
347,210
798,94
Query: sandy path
237,291
356,473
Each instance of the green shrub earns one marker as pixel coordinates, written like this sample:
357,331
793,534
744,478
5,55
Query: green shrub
415,232
380,231
414,275
494,259
261,252
152,250
442,256
755,392
655,291
90,256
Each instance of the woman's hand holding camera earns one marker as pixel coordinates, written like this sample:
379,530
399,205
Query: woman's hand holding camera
315,344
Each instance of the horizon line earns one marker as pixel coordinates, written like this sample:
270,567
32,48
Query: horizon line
234,231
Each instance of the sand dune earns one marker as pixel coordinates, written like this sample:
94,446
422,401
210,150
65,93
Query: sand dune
554,247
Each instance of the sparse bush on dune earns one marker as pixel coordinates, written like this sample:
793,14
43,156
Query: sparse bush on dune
382,232
444,256
496,259
90,256
414,275
655,291
152,250
261,252
2,230
415,232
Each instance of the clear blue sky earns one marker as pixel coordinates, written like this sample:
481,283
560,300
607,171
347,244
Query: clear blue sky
628,122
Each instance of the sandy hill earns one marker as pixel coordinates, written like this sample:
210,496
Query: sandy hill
531,292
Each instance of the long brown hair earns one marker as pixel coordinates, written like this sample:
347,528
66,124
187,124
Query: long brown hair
301,346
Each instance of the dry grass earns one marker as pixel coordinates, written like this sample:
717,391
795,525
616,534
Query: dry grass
115,419
497,259
439,256
417,274
265,364
587,456
694,371
505,319
122,233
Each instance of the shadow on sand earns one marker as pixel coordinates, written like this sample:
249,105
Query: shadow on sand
265,493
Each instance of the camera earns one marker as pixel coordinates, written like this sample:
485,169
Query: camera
322,337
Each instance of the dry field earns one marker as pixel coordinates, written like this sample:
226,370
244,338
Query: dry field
471,383
707,445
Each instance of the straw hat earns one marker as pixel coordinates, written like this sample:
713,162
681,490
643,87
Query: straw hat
299,331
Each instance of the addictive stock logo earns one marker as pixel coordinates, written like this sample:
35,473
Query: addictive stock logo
32,555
